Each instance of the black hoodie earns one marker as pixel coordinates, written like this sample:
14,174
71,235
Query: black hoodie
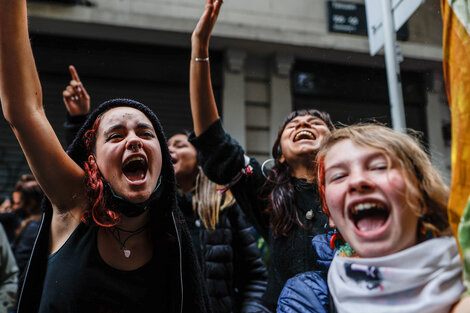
190,294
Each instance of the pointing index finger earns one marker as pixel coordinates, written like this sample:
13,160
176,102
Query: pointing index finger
217,6
74,73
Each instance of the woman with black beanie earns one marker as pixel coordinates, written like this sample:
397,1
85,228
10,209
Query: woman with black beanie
112,238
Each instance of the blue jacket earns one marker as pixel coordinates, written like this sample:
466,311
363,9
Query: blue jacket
308,292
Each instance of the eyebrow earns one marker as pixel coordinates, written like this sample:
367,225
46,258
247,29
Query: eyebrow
121,126
313,118
144,125
175,141
369,157
113,128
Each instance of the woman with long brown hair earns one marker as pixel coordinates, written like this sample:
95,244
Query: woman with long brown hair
283,206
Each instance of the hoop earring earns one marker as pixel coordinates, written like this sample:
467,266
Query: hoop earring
343,248
427,233
336,240
263,167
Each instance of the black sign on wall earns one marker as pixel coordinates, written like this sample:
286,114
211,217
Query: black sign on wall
346,17
350,18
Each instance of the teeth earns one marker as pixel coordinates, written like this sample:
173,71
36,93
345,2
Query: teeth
366,206
135,158
306,133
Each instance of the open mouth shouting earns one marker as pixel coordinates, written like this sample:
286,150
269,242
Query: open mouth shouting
305,135
135,168
369,217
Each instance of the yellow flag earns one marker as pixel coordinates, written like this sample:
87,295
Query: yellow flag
456,61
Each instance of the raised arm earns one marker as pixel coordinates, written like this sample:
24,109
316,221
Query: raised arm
222,158
21,98
203,107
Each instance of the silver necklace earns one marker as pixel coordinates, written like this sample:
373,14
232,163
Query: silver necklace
122,244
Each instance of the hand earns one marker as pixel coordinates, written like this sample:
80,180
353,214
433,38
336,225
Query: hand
203,31
76,99
462,306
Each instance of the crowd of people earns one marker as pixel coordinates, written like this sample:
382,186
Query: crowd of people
144,224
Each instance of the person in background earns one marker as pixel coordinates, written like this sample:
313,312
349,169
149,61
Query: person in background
394,249
283,205
8,275
17,200
234,272
13,216
22,246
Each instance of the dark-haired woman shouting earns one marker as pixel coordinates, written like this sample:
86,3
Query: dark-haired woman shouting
283,206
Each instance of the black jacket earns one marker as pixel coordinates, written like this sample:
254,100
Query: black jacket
232,266
189,293
222,158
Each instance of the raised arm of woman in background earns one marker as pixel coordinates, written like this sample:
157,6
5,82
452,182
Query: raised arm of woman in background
21,98
222,158
203,107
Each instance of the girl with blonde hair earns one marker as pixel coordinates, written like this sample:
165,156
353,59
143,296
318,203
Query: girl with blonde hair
388,202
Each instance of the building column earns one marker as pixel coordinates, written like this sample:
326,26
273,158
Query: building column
233,96
281,95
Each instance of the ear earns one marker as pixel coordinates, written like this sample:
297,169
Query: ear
91,159
282,159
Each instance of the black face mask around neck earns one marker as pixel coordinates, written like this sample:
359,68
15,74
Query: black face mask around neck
119,204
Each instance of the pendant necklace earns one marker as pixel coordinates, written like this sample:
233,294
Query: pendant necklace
122,244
